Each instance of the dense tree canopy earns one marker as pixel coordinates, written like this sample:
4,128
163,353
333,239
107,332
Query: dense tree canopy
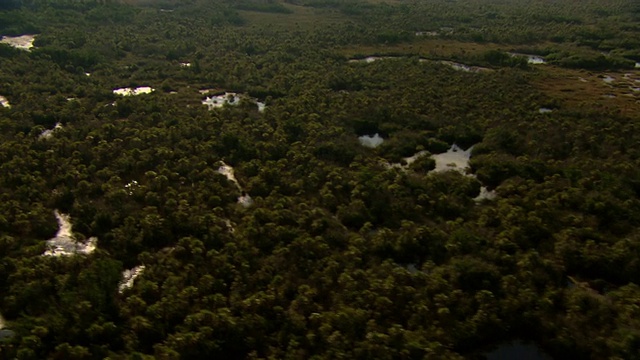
344,251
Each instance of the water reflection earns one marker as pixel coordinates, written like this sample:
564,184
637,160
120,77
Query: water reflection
5,333
134,91
371,141
228,98
464,67
454,65
531,59
454,159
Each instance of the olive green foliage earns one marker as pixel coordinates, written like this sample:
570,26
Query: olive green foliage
341,255
268,6
590,61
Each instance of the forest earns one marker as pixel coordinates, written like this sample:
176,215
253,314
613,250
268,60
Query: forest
319,179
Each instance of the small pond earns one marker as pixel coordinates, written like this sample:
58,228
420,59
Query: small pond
531,59
452,64
454,159
228,98
5,334
371,141
464,67
213,102
133,91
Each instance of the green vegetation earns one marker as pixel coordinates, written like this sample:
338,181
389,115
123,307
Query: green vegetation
341,254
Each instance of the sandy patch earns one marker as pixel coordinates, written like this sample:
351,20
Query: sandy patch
132,92
47,134
4,102
23,42
371,141
128,277
64,243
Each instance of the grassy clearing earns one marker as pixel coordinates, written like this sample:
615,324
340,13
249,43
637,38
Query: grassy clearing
581,88
573,88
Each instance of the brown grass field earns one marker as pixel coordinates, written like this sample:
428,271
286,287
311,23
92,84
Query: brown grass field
573,88
581,88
